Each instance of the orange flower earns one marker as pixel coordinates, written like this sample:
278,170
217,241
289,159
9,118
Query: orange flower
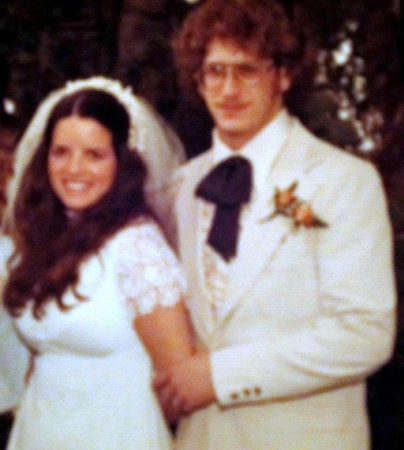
286,198
289,205
303,215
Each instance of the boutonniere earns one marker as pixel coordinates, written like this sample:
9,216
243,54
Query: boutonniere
289,205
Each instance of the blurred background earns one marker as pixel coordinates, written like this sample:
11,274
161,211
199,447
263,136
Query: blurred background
350,92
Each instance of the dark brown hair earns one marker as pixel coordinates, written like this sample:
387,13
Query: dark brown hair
49,246
261,26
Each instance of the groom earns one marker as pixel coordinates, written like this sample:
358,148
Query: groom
286,244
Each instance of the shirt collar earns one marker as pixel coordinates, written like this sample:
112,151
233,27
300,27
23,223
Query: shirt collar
261,150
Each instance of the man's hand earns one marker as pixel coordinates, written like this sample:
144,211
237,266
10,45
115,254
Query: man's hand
185,387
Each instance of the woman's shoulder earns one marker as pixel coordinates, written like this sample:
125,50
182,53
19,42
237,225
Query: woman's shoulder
140,226
142,231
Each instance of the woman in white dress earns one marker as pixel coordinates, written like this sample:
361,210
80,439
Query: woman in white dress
95,291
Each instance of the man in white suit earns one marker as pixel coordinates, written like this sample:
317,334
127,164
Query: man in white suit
291,288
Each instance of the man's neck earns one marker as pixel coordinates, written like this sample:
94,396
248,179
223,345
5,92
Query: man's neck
237,141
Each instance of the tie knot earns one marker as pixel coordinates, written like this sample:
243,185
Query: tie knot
229,183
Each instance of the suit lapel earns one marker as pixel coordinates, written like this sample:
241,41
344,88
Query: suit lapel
260,238
193,238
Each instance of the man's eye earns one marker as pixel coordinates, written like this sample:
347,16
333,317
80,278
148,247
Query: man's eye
215,70
247,70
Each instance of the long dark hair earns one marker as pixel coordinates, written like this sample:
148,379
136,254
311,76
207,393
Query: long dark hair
49,246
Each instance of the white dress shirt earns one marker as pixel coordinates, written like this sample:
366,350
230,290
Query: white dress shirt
261,151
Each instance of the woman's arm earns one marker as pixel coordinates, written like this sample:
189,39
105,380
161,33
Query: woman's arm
166,334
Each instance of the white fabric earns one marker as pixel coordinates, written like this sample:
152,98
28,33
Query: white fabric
149,134
161,281
13,354
91,384
261,151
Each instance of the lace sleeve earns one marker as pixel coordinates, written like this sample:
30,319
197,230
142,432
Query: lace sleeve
148,271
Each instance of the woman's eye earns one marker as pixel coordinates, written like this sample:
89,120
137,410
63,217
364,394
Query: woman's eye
95,154
57,151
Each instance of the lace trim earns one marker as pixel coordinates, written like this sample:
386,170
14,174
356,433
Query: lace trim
148,271
215,270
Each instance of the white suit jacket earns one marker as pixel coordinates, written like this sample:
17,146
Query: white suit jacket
310,313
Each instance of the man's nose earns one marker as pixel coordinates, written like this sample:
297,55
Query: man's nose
231,82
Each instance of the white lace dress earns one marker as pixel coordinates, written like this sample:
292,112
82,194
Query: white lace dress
91,385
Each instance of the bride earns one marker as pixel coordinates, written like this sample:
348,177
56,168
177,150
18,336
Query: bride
94,290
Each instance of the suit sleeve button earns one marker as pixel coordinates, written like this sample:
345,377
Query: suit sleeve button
234,396
247,392
257,391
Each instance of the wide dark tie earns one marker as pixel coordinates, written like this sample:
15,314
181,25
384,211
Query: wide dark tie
228,185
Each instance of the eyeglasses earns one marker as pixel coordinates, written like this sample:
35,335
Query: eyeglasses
213,75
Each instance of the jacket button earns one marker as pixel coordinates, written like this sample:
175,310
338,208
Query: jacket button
247,392
234,396
257,391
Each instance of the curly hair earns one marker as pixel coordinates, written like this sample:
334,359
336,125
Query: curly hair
49,247
260,26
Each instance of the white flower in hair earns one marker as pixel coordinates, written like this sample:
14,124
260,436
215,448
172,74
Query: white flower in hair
149,134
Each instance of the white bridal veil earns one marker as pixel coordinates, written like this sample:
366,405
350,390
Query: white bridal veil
159,146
